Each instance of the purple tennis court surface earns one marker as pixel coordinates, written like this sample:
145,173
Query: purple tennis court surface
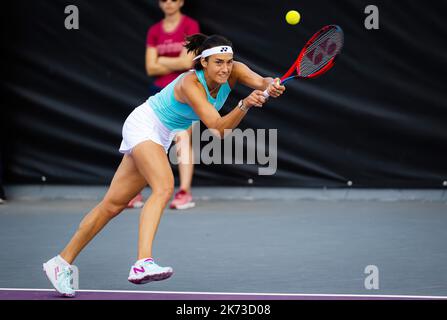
30,294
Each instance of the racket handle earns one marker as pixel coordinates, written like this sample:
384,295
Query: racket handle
266,92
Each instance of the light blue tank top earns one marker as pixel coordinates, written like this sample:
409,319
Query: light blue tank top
180,116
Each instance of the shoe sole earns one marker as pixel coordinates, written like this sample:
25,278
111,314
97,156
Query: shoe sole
137,205
185,206
152,277
66,295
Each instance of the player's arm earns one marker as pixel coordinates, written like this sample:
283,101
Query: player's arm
251,79
180,63
194,95
153,68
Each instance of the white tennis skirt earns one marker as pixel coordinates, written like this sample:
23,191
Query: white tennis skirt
142,125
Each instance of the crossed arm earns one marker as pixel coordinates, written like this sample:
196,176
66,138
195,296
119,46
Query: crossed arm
158,66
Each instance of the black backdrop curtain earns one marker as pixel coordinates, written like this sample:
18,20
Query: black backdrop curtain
378,118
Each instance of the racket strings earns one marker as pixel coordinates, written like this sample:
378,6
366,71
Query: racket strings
308,64
310,68
321,38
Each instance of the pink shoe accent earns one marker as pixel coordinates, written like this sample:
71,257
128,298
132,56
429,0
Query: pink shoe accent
182,200
136,202
136,270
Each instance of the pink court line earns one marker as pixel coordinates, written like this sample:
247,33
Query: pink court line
49,294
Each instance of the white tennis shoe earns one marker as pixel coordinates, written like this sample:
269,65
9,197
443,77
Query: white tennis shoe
60,275
146,270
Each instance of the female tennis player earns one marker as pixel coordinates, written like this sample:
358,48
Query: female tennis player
147,134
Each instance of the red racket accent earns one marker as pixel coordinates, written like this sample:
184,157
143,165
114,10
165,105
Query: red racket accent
292,69
329,65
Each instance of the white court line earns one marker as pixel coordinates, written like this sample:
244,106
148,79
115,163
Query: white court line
243,293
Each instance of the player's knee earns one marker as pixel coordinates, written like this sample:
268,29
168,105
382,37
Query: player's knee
164,191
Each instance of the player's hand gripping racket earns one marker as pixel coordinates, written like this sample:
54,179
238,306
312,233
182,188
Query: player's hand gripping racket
317,56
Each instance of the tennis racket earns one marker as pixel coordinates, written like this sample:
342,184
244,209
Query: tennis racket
318,55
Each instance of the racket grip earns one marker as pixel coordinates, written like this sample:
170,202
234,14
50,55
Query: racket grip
266,92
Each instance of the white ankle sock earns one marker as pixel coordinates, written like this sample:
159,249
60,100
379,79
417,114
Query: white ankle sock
62,260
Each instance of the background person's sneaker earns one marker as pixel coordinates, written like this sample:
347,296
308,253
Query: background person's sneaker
182,200
60,275
136,202
146,270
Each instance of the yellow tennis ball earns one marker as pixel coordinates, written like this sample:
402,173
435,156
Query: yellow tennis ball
293,17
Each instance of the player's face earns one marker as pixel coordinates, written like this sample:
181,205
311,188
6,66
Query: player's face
170,7
219,67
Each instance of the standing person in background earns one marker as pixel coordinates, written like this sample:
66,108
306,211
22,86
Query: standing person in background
166,59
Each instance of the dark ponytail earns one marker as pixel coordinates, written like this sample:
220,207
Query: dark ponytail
199,42
195,42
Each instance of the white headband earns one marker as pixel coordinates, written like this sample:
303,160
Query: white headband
215,50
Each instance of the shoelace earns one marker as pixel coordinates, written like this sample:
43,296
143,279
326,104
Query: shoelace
66,281
151,264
